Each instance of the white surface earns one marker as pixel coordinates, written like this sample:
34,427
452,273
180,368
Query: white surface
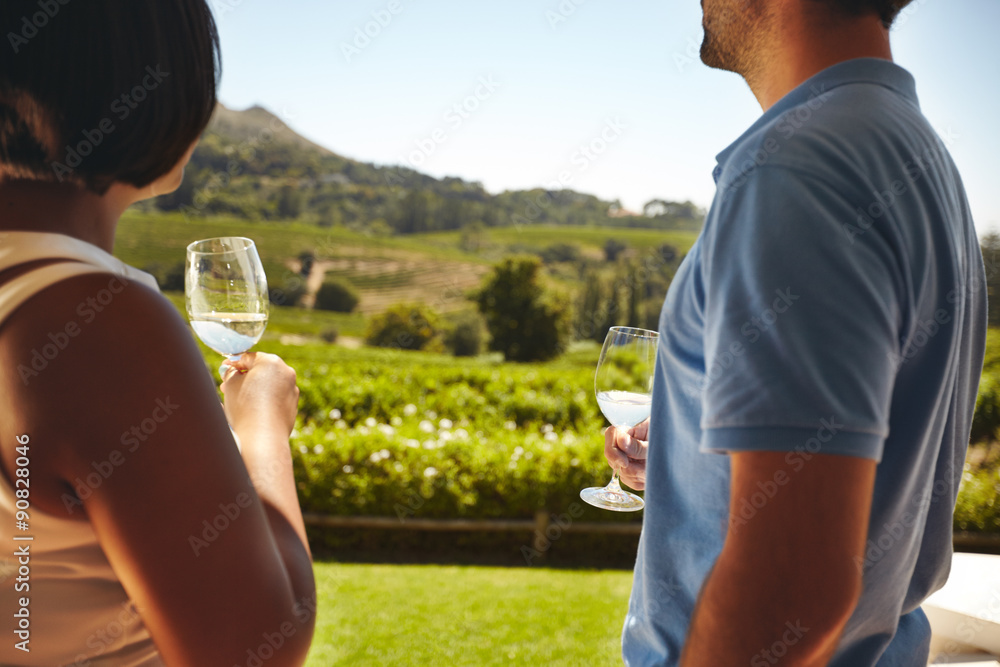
965,614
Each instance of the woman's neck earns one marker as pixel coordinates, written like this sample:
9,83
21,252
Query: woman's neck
36,206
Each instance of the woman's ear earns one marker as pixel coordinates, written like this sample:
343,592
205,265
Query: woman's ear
171,180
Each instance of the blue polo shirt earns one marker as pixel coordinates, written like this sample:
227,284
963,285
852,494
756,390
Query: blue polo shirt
834,303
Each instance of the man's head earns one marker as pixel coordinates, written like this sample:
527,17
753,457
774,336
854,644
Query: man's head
737,31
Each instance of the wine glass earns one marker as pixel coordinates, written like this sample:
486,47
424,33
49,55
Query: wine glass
624,386
226,293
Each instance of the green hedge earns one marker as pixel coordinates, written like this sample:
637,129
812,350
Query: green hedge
517,438
437,468
978,507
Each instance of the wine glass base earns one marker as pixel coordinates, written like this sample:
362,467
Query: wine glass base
611,499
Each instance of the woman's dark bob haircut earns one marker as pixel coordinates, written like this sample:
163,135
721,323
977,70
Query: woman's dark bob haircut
98,91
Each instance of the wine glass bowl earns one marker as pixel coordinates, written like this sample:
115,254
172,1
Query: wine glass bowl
225,291
623,384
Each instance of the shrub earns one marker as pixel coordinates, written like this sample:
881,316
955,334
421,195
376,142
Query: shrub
560,252
986,420
329,335
978,506
405,327
170,279
337,295
287,292
465,338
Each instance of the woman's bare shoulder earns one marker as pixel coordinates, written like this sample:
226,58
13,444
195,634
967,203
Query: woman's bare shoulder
80,359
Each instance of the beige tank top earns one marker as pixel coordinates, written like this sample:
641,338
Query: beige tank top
79,613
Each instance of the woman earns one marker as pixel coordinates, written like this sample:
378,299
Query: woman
154,540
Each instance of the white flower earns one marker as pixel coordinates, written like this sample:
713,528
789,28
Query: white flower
374,458
363,430
414,444
430,444
445,423
384,453
396,420
461,434
510,426
529,455
308,430
430,471
335,414
445,435
386,430
410,410
426,426
518,450
295,433
318,449
341,424
430,414
574,462
348,469
398,466
370,422
551,437
568,438
547,428
303,449
329,435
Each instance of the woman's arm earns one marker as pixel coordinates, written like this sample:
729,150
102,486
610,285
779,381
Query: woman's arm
210,546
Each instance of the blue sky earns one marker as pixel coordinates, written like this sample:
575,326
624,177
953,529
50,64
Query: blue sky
534,80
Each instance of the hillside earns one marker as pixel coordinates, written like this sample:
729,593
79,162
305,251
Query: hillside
437,268
249,164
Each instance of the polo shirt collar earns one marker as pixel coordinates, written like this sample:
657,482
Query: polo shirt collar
859,70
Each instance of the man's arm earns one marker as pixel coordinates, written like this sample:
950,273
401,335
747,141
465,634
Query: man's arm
788,578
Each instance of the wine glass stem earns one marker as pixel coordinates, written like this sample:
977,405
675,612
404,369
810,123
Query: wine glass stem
614,485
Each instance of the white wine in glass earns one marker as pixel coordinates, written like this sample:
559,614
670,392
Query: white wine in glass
226,294
624,387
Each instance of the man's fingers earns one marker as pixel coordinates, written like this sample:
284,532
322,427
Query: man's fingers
634,476
616,458
632,447
641,431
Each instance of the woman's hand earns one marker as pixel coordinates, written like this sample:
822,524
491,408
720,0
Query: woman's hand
626,453
260,390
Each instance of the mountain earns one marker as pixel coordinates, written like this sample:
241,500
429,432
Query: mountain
249,164
239,126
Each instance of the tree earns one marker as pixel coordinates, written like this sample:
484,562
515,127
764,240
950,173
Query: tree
414,213
306,260
405,327
289,203
613,248
337,295
526,322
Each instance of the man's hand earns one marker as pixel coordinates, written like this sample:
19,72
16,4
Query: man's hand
626,453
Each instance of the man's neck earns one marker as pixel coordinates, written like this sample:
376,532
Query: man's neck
804,45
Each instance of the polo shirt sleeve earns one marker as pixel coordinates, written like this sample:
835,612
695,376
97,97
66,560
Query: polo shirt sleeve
803,313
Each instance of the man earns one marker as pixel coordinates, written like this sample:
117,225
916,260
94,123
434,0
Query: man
820,351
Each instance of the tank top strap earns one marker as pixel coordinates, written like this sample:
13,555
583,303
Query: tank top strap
18,290
79,258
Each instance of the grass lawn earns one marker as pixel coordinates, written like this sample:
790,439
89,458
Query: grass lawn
456,615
